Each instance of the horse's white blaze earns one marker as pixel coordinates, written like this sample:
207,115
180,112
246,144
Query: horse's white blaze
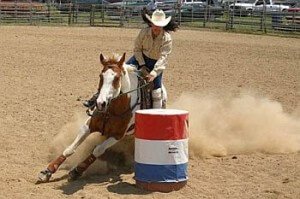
107,91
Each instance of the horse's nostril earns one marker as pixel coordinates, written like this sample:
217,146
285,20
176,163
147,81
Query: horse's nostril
103,104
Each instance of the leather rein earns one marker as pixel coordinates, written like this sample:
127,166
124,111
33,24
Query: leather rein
106,114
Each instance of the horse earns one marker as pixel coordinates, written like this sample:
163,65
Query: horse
113,116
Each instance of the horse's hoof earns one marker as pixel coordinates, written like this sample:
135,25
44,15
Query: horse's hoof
44,176
74,175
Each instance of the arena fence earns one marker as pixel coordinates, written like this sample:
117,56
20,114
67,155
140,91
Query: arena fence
71,14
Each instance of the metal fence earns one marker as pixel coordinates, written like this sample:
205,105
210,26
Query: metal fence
123,16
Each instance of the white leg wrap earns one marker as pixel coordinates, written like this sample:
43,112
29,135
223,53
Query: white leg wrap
157,98
83,133
100,149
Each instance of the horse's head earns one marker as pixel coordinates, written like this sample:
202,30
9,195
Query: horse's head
110,84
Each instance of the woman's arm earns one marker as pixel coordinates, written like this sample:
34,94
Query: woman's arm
165,50
138,48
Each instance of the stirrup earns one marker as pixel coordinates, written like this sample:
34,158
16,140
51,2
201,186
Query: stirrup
89,104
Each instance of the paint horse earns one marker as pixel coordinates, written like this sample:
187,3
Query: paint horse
117,101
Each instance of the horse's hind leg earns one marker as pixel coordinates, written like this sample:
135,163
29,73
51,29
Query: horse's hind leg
46,174
76,172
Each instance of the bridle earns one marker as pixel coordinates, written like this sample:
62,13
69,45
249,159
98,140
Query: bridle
106,113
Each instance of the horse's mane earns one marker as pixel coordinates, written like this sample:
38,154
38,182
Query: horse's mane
115,58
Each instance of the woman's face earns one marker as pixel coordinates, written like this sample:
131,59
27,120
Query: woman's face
156,30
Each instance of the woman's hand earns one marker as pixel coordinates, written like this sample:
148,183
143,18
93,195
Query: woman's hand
150,78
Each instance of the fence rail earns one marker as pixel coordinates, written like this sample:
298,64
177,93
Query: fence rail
109,15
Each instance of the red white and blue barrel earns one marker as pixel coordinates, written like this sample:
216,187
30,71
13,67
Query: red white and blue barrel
161,149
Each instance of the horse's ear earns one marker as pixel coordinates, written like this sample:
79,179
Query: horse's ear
120,63
102,59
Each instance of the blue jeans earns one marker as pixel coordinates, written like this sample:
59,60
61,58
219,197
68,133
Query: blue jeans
150,65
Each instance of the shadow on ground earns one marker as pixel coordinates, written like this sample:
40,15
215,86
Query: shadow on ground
116,184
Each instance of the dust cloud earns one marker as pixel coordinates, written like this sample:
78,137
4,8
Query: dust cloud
219,126
66,136
244,124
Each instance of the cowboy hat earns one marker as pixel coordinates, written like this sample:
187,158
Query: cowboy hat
158,18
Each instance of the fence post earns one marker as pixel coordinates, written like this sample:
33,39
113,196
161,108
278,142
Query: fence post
179,11
48,12
122,16
15,13
227,15
263,19
70,14
30,12
0,13
293,20
75,16
192,19
205,14
92,15
232,12
102,11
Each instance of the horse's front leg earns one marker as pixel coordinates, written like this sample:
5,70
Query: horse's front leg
46,174
76,172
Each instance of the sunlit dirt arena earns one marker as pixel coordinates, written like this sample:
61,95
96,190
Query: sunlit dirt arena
242,92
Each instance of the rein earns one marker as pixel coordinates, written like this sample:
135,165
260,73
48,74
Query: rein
138,88
106,113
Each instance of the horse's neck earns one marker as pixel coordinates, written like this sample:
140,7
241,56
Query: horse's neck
125,82
120,105
133,87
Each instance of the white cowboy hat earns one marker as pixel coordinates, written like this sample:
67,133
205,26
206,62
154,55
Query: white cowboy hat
158,18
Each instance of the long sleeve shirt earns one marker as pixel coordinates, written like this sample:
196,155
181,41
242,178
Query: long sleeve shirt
155,48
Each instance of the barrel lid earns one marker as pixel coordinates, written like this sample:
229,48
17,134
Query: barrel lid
162,112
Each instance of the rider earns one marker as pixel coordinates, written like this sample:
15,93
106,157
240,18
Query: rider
151,49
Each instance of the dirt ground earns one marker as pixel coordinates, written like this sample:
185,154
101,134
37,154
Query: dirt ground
46,73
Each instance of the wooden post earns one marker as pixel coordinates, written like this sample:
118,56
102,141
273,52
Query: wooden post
92,15
30,12
0,13
48,12
263,18
231,18
15,13
70,14
205,14
122,15
75,16
179,11
102,11
293,20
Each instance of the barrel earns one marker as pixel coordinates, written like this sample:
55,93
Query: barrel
161,149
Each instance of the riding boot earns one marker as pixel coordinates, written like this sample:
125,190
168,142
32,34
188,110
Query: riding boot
157,98
91,102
